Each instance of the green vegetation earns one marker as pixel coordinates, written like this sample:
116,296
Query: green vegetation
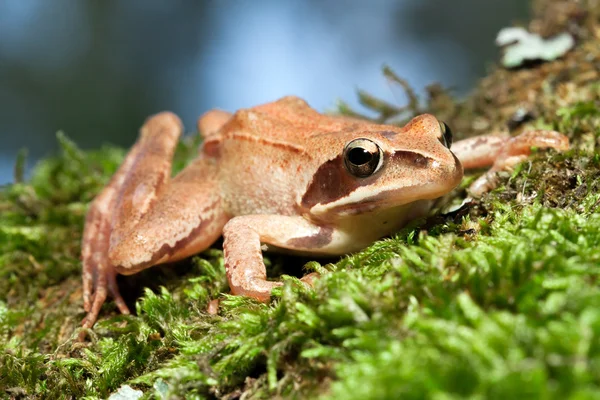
499,303
498,299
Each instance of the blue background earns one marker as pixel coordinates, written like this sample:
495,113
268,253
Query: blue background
96,69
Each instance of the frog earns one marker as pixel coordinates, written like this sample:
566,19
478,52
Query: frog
283,176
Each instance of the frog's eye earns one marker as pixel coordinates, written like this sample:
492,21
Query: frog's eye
446,137
362,157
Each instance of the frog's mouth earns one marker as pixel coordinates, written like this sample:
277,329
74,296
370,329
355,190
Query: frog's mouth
386,199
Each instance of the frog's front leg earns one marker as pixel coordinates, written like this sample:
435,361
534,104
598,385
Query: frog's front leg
501,153
143,218
243,236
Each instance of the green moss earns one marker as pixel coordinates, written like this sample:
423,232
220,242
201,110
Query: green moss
498,299
513,313
508,311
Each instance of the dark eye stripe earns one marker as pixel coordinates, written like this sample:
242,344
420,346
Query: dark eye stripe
411,159
332,181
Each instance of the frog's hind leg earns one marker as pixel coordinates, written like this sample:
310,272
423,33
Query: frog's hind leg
98,275
157,141
212,121
186,218
143,218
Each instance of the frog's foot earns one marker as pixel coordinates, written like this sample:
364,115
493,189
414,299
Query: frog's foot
513,150
243,236
95,293
99,276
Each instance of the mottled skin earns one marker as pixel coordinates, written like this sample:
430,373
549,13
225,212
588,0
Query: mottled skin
276,174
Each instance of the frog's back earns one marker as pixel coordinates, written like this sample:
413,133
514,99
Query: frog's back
287,120
264,163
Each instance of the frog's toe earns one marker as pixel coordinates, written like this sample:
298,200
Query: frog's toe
114,291
106,281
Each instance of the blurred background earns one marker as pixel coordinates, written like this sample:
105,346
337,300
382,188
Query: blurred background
97,69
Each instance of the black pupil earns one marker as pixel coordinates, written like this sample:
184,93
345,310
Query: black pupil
359,156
